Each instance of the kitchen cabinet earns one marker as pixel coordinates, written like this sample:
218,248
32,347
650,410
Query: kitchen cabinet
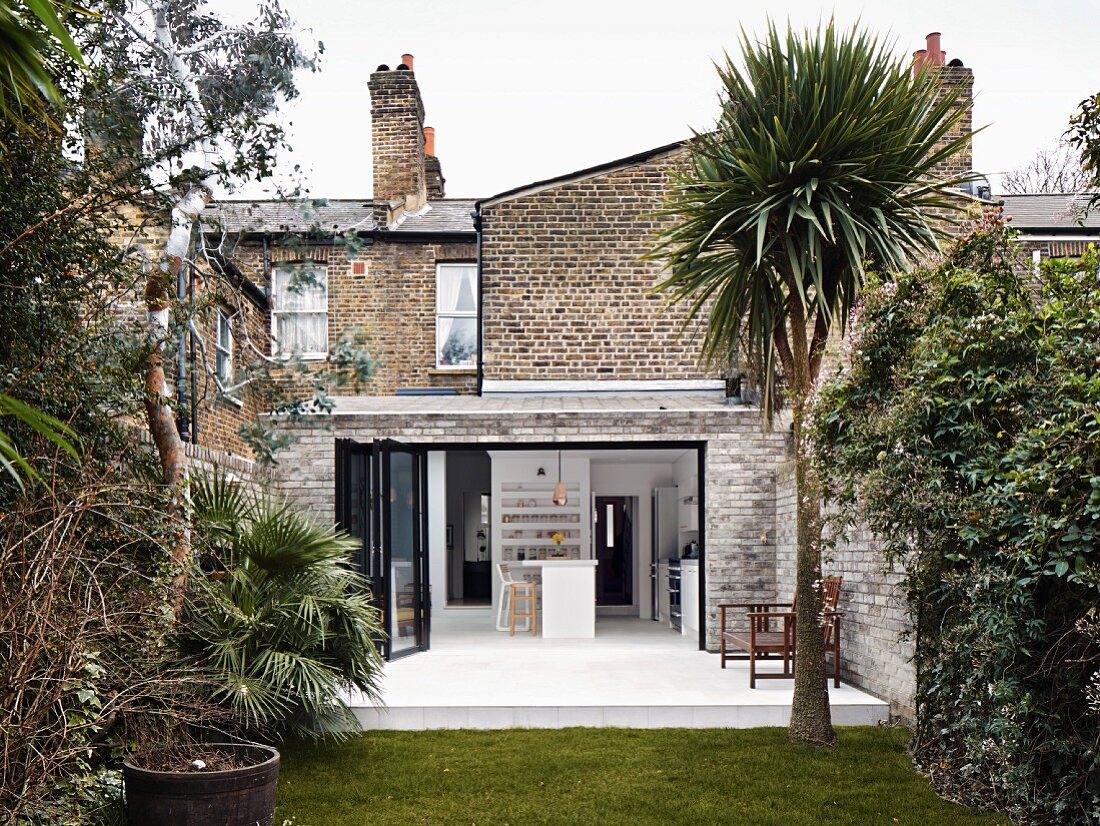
689,514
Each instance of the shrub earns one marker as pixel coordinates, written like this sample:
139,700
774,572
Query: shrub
965,432
278,614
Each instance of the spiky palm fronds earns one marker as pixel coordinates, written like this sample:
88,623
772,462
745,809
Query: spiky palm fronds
823,160
11,459
282,618
27,89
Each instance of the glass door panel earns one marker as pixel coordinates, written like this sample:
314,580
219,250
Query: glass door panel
403,557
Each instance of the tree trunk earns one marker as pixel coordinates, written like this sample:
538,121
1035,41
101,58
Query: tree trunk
811,719
159,298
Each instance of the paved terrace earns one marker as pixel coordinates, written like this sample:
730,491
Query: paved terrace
635,674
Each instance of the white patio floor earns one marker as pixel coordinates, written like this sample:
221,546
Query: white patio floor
634,674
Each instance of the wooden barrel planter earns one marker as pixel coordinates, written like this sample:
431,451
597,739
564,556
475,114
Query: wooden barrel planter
234,797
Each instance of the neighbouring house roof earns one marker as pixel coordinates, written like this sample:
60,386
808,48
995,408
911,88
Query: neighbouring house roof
581,174
439,216
328,216
1051,213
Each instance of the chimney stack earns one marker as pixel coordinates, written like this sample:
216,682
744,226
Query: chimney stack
432,167
957,81
397,136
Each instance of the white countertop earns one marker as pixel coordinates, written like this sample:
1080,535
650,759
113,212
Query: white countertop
557,563
684,562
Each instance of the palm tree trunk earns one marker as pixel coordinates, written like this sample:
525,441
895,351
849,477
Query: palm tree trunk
811,719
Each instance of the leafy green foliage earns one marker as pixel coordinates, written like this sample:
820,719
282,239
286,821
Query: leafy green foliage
823,158
32,38
965,433
1084,134
279,614
83,580
11,460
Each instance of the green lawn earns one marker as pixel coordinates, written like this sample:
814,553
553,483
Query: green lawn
609,776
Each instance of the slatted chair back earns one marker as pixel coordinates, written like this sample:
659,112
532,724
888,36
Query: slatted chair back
829,598
830,592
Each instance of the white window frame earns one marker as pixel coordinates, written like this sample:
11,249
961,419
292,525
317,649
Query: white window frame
224,321
321,276
439,270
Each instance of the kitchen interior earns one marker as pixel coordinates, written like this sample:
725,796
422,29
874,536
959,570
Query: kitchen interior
628,517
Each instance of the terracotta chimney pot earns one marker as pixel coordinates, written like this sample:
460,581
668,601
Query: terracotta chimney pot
429,140
936,54
919,56
407,59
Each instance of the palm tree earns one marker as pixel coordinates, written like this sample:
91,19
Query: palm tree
27,89
27,93
822,163
278,616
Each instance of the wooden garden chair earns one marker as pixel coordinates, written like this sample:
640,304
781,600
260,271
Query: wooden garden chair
769,634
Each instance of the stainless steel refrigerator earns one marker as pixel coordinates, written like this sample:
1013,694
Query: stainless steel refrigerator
665,540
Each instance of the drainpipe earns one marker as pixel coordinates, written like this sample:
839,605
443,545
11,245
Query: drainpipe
191,366
480,302
183,392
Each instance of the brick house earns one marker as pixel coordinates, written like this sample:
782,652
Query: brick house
1053,225
518,345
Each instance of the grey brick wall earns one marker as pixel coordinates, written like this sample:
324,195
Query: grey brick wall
874,656
739,482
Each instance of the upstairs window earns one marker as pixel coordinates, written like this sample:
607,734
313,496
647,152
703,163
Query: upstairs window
223,348
456,315
299,312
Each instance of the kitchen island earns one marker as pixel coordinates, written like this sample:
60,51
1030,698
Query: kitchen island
568,596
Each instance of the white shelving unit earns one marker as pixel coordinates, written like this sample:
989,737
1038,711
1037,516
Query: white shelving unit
529,518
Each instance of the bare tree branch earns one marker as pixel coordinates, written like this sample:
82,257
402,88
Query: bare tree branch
1055,170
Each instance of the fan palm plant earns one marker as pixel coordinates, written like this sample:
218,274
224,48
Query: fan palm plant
822,163
278,613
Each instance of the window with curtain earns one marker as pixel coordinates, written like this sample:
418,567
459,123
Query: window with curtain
456,315
299,312
223,348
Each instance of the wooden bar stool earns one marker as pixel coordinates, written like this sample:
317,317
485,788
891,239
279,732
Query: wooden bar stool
524,605
520,598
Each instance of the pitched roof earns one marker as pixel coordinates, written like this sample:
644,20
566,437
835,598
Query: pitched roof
440,216
1061,211
589,172
334,215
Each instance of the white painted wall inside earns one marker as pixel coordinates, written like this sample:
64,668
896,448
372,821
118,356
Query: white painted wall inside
510,467
612,478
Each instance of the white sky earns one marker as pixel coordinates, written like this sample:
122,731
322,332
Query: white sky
520,90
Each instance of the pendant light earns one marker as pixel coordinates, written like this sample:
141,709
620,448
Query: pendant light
560,497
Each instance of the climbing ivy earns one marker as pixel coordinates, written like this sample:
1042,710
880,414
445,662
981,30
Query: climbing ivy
964,429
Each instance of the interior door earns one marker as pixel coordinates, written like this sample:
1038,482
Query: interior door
380,491
400,552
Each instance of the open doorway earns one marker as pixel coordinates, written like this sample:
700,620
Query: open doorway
468,534
614,545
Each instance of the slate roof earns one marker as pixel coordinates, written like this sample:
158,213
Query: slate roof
443,216
335,215
1050,212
